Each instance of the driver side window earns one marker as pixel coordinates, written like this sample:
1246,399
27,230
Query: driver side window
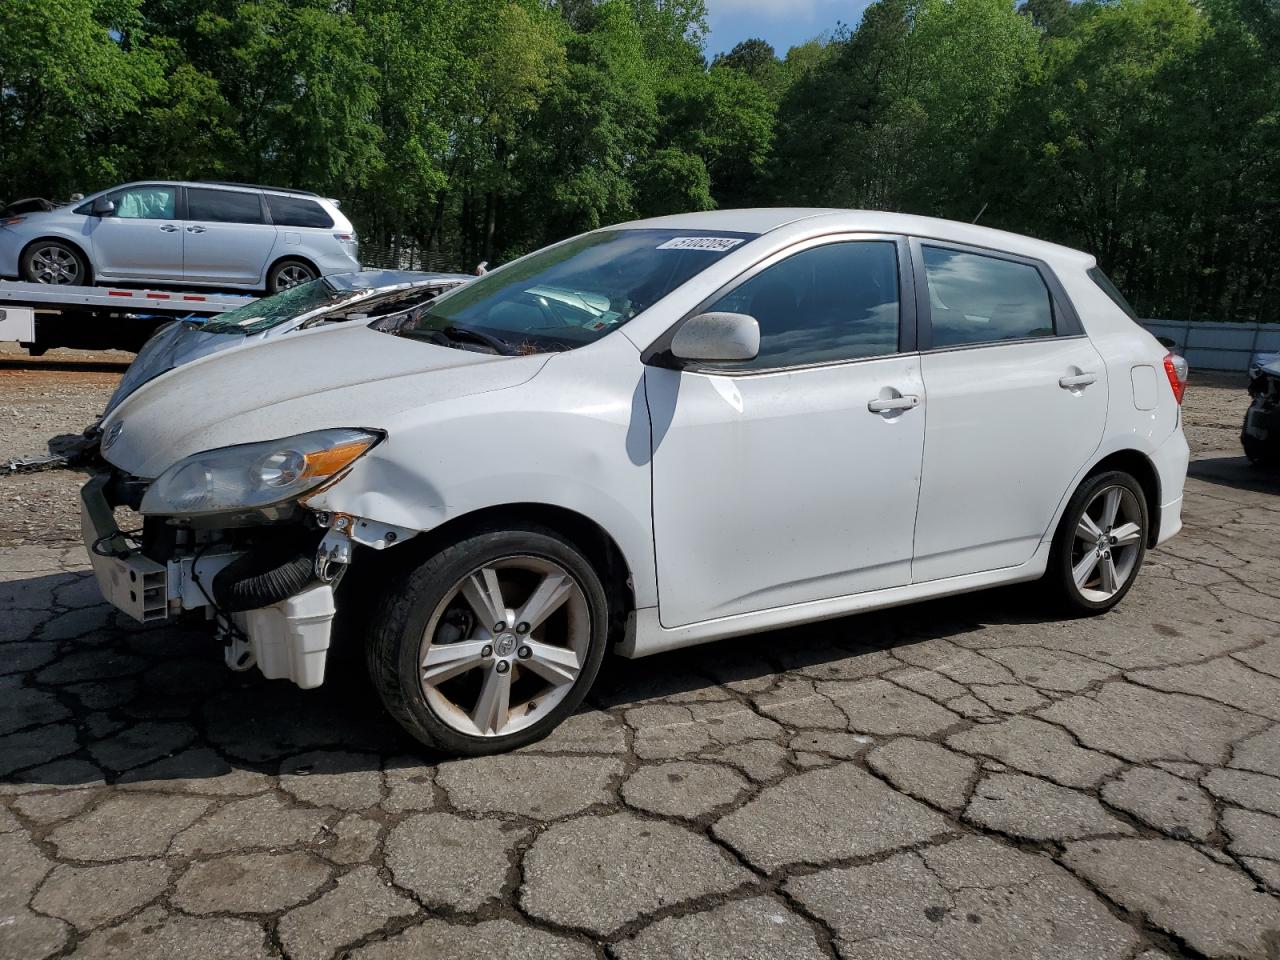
146,203
826,304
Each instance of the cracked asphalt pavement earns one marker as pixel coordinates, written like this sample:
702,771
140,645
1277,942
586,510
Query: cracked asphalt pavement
961,779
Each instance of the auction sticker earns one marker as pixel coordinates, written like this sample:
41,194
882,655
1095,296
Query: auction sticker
717,244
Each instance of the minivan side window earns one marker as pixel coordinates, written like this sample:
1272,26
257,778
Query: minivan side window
297,212
830,303
145,203
977,299
223,206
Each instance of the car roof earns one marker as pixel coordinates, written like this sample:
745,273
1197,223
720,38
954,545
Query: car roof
251,186
214,183
766,219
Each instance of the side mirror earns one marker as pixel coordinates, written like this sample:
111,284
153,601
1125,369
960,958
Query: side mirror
717,337
102,207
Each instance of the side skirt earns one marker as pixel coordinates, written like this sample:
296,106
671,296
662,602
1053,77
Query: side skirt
650,637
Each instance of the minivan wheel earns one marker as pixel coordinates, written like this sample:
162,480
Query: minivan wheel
289,273
1100,543
491,642
54,262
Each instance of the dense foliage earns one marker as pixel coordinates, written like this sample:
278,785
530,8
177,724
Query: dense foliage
1146,131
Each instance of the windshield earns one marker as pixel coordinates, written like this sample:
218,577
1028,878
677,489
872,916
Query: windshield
259,315
571,294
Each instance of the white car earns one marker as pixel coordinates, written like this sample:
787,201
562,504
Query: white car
645,437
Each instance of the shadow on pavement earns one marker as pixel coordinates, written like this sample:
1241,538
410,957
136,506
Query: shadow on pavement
1235,472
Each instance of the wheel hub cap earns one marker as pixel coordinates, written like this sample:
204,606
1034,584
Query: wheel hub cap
484,677
1107,543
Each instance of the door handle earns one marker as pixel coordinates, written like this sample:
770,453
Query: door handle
195,229
1078,380
906,402
169,228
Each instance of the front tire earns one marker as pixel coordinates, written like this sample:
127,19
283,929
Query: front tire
55,263
1100,544
492,642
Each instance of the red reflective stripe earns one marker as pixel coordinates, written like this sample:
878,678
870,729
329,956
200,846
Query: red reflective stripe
202,299
157,296
119,293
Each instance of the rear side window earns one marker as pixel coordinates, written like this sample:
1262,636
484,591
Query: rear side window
1112,291
822,305
297,212
223,206
979,299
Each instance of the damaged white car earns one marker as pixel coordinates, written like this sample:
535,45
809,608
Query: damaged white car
645,437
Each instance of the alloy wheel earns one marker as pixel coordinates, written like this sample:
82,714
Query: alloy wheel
1107,543
55,265
504,646
292,275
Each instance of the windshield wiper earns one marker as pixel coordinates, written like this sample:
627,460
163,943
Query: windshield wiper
455,332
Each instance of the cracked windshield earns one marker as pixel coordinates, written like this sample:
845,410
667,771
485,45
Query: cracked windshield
259,315
571,294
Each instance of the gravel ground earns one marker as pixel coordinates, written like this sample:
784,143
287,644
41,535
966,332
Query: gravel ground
42,398
965,778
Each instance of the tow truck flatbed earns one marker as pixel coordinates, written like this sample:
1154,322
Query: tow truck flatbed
41,315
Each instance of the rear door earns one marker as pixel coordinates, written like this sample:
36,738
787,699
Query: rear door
142,240
1017,405
227,238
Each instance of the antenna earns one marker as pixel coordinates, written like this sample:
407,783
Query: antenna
981,212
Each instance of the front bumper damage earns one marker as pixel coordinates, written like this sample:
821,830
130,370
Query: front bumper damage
286,639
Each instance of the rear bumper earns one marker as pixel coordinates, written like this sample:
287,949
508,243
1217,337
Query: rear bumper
1170,460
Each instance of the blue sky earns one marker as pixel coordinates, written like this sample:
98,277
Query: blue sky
784,23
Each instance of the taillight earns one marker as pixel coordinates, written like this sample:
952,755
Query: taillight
1176,369
345,237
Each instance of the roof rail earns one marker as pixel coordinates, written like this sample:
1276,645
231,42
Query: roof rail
256,186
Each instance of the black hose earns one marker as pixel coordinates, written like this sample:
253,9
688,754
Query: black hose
262,577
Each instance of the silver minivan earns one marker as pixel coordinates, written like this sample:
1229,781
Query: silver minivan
207,234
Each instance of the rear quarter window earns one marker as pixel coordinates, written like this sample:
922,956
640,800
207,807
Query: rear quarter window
297,212
1111,290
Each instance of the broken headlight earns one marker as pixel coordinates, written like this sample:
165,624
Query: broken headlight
252,475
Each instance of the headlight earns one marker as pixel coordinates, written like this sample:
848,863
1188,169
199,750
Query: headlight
255,474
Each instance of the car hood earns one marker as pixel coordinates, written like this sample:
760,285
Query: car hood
171,347
341,376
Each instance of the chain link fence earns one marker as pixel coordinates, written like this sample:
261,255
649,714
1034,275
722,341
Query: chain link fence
398,255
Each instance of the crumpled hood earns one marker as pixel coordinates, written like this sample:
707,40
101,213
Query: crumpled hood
340,376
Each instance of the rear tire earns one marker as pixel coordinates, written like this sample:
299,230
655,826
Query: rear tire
1100,544
56,263
289,273
457,682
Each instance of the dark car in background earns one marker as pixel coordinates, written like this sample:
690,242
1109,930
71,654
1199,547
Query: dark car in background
1261,433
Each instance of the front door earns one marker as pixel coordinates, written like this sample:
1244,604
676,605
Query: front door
793,477
142,239
1017,405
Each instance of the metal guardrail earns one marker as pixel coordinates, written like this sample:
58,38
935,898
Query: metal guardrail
1209,345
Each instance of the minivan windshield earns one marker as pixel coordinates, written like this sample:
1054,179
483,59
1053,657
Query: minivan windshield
259,315
571,294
